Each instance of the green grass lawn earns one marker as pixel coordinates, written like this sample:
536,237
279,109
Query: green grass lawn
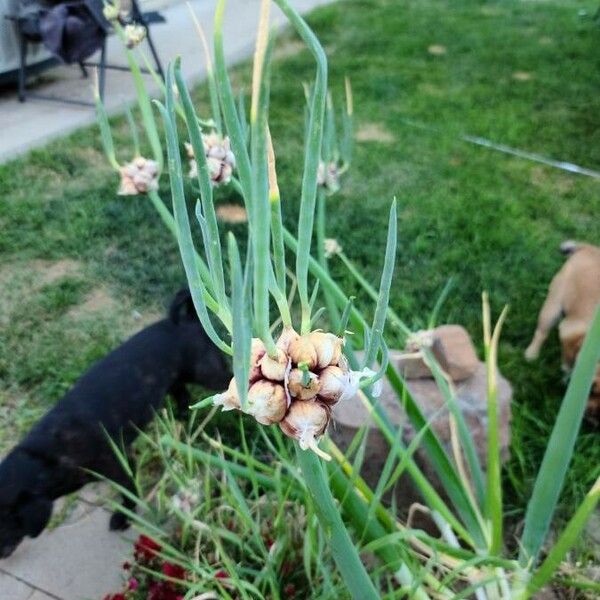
81,267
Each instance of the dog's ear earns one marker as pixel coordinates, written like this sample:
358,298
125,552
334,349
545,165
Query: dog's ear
182,305
35,514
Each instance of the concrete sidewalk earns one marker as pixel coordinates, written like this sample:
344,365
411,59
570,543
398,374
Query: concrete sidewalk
78,560
36,122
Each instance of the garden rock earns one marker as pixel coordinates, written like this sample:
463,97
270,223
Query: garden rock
454,351
471,399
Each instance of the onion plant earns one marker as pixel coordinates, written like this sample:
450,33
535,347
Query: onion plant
288,373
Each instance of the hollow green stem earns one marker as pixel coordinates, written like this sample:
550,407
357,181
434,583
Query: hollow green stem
344,552
311,157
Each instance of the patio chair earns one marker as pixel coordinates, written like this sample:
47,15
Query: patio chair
29,33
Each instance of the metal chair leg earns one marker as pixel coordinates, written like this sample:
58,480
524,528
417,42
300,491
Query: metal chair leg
102,71
22,68
84,71
154,54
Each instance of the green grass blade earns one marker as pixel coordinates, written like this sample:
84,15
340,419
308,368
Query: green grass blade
433,318
565,542
444,468
559,451
494,464
383,298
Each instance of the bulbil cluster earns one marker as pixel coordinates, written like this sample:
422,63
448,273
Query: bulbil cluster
138,177
219,158
296,388
328,177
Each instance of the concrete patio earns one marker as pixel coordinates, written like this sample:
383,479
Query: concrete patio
36,122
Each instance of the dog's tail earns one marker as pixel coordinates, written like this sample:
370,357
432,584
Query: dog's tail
569,247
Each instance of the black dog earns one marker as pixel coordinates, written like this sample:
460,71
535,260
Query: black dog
118,395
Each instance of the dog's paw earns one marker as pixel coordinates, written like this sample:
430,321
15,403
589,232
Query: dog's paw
118,522
531,353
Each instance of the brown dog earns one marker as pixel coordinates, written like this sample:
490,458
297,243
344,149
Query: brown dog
574,294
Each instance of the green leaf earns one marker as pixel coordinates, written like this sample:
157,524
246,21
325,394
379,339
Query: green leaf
560,446
184,234
566,541
312,157
105,133
383,298
344,552
213,248
242,330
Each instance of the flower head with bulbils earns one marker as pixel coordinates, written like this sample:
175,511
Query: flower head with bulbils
219,158
328,177
297,387
138,177
134,35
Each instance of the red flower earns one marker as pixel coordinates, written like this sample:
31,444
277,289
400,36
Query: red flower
162,590
115,597
173,571
126,566
145,548
221,574
133,584
289,590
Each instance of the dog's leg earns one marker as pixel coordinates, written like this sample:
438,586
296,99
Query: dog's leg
548,318
182,398
119,521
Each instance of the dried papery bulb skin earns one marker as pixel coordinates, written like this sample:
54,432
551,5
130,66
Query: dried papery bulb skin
267,402
419,340
302,351
300,388
333,383
288,335
134,35
274,369
138,177
193,172
257,351
328,177
229,399
328,348
306,422
110,12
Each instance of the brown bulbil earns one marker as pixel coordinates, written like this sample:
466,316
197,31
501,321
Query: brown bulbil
267,402
305,422
297,387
